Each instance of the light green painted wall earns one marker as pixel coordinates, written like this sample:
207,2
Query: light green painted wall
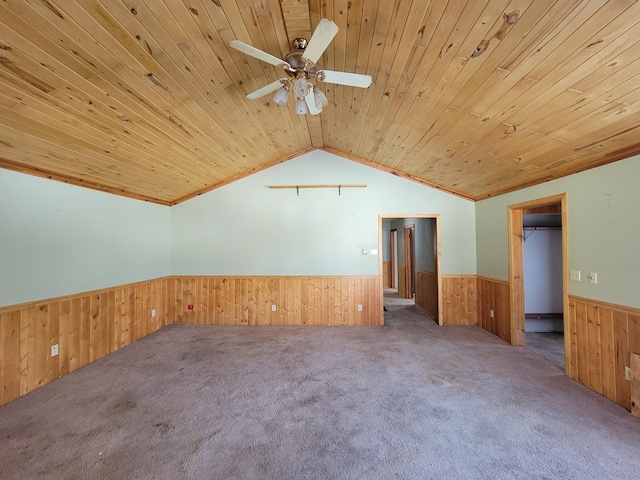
244,228
386,240
398,224
425,245
604,227
424,229
58,239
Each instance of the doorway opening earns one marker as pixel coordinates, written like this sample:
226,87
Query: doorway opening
410,263
538,264
390,268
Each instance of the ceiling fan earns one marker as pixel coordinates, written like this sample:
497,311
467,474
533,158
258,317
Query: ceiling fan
301,67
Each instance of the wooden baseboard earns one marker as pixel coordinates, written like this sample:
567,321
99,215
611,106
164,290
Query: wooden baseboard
542,316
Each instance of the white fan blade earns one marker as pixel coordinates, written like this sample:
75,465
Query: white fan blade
311,103
320,40
344,78
259,54
261,92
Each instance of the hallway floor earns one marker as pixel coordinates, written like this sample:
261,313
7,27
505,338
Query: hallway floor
392,297
549,345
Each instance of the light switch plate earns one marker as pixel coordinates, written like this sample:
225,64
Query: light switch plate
593,277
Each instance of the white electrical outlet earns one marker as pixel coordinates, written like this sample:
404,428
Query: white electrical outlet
54,350
153,312
273,308
575,275
492,314
359,307
627,373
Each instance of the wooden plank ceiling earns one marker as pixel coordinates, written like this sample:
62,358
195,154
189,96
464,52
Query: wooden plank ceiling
144,97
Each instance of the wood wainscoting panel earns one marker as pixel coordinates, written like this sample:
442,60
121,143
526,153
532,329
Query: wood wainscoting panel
402,288
635,383
321,300
86,326
386,274
459,300
493,295
427,292
603,337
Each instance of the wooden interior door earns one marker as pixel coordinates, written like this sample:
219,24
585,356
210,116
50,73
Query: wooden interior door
409,261
394,258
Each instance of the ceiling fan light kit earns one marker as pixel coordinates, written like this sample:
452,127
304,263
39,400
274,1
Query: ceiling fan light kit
320,99
301,107
281,96
301,87
301,67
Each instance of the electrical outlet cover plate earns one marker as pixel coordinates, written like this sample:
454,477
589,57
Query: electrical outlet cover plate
54,350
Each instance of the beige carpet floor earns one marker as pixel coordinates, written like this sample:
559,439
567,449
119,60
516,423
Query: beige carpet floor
409,400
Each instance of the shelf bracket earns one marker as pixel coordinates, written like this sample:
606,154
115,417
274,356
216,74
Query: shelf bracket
339,187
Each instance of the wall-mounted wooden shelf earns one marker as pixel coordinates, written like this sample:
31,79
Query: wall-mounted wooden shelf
338,186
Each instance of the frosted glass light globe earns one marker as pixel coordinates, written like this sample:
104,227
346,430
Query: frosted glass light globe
281,96
320,99
301,107
301,87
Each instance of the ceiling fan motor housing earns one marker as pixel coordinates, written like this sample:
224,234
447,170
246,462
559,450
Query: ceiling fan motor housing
298,65
300,43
